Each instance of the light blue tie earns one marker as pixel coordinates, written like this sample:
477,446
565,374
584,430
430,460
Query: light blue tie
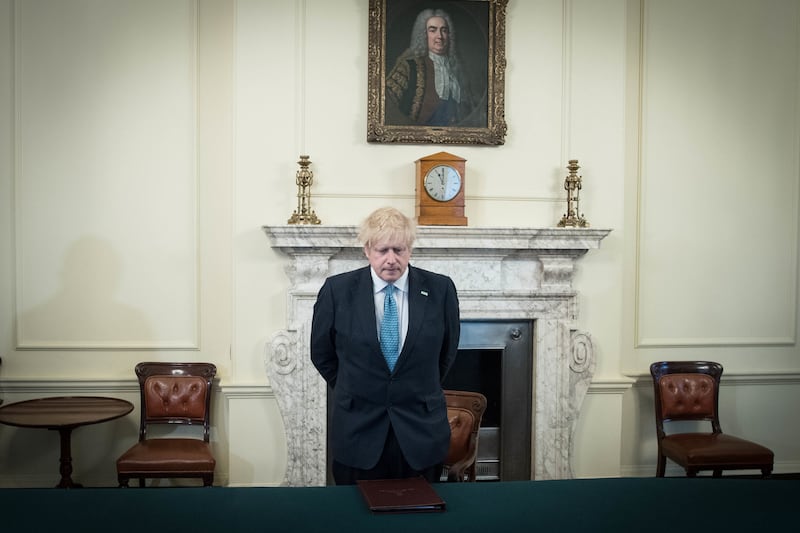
390,328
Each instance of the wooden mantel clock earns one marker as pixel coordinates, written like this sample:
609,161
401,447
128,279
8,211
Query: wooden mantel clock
440,190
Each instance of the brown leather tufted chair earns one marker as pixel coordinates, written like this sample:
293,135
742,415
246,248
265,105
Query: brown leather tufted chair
171,393
689,390
464,412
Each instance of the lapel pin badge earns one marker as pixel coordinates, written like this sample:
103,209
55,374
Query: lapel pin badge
424,293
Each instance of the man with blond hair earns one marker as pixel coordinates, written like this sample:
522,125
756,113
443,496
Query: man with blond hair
383,337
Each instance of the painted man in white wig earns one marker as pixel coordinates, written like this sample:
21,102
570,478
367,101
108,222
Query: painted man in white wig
427,86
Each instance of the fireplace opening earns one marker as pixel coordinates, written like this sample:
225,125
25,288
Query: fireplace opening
495,358
479,370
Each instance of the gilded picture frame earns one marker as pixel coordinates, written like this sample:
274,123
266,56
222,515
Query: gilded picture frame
437,76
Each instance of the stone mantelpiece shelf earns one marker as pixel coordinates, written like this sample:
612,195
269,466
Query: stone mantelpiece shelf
501,273
296,239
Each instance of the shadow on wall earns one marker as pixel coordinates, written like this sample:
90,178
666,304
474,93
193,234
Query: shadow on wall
85,310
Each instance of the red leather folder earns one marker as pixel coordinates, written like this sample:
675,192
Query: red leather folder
409,495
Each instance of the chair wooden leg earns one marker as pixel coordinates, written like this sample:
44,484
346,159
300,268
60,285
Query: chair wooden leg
141,482
123,481
662,466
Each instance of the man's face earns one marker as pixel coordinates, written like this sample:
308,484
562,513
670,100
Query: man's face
388,259
438,35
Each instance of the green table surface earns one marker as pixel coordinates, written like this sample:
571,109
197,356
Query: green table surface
626,504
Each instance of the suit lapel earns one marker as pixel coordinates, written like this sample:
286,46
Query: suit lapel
364,307
417,305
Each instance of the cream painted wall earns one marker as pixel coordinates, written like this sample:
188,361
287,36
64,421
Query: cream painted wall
712,215
116,242
111,274
175,145
730,177
114,239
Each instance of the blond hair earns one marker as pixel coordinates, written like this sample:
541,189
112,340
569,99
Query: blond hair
387,224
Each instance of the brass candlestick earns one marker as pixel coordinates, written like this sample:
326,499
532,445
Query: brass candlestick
573,186
304,214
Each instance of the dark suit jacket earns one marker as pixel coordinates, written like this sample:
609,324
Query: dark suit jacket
367,397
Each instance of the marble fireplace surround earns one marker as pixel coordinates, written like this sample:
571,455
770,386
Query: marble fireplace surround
500,273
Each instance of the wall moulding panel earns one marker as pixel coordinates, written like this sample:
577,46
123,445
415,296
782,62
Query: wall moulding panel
718,174
105,175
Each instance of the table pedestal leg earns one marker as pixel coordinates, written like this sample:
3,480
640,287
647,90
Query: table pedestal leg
66,460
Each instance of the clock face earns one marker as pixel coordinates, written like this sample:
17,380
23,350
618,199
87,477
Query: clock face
442,183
